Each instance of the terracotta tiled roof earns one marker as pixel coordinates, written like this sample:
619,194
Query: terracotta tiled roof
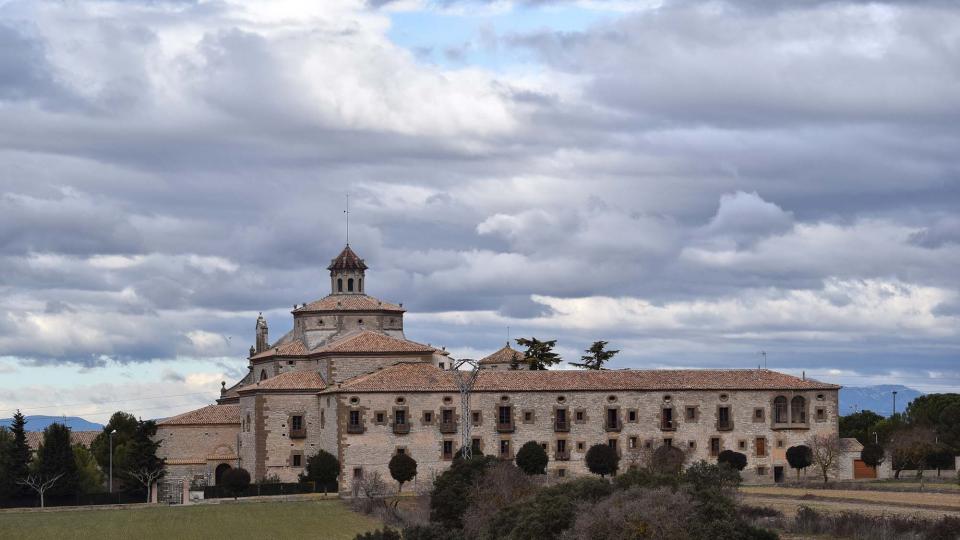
289,381
292,348
849,444
211,414
347,260
503,356
368,341
420,377
349,302
83,438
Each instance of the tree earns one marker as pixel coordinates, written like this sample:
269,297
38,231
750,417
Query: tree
539,354
90,478
323,468
872,455
939,456
602,459
7,482
515,362
825,452
402,468
596,356
18,458
142,463
55,459
799,457
235,481
532,458
860,425
450,498
125,426
40,484
734,459
668,460
909,448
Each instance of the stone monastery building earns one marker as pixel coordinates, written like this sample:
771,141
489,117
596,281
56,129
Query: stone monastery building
347,380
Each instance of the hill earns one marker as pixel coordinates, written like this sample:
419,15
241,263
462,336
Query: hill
40,422
878,399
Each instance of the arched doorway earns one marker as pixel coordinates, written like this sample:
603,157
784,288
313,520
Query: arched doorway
218,473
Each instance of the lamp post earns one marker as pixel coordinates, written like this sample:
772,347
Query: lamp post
876,438
112,431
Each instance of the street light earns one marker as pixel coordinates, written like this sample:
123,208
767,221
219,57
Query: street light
112,431
876,439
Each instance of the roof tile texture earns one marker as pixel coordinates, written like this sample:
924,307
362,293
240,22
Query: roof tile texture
211,414
292,380
503,356
410,377
349,302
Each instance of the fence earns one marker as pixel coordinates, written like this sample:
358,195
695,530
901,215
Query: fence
92,499
257,490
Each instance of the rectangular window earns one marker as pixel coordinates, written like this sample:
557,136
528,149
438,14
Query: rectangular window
427,417
761,446
691,414
612,443
296,422
714,446
504,448
504,415
475,445
692,445
666,418
528,416
648,445
668,442
400,416
561,473
358,472
380,418
476,417
297,460
580,446
758,414
632,415
561,446
723,418
355,418
447,449
780,443
401,451
821,414
632,441
613,420
446,416
579,416
742,445
761,471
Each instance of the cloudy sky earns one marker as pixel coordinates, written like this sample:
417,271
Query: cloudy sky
695,182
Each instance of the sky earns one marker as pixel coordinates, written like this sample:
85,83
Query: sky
694,182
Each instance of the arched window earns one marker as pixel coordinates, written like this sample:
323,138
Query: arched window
263,374
798,410
339,284
247,425
780,410
350,285
359,284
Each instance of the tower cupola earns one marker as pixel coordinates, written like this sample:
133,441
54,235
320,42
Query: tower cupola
347,273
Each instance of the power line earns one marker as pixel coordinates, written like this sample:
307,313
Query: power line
54,406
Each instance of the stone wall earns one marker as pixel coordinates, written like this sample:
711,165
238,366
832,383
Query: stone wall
196,450
371,450
267,448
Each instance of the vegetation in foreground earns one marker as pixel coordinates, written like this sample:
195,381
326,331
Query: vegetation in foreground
854,525
331,520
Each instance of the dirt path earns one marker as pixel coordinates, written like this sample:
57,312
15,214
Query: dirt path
789,506
933,501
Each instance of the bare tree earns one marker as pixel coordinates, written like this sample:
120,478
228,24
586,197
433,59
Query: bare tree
146,476
825,453
38,484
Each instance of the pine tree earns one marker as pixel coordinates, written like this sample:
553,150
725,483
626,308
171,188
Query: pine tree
7,482
143,465
125,425
55,457
539,354
596,356
18,463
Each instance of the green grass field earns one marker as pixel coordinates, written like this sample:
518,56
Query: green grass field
316,520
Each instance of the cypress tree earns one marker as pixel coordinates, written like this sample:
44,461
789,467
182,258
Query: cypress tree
18,457
56,457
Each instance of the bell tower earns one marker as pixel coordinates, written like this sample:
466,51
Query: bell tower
347,273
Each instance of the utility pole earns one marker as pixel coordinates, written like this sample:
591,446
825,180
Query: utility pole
465,380
894,403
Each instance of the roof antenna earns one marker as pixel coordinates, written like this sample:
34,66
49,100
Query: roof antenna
346,213
508,335
764,355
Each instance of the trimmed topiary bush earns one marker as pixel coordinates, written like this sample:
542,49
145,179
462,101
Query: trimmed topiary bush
235,481
532,458
402,468
602,459
732,458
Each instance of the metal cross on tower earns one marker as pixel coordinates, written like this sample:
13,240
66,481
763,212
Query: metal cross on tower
346,214
465,379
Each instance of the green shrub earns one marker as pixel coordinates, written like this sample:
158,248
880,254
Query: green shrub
733,458
323,468
450,496
432,531
386,534
548,513
402,468
532,458
602,459
235,481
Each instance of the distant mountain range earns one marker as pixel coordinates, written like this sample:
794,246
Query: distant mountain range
878,399
40,422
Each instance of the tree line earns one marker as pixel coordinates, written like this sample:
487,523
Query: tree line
925,436
539,355
61,469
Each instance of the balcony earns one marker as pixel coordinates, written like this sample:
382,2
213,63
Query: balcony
298,433
561,426
401,429
561,456
613,426
448,427
507,427
354,428
668,425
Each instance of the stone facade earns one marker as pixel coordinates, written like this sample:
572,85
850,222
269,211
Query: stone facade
534,414
193,452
